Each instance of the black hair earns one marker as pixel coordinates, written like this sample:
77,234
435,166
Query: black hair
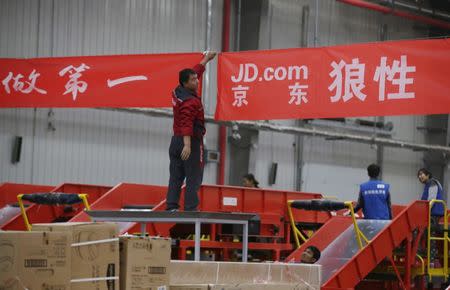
373,170
185,74
425,171
252,178
316,252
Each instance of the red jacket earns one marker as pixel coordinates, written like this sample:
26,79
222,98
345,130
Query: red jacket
188,113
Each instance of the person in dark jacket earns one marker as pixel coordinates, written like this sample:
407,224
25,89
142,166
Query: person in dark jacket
186,146
432,191
374,196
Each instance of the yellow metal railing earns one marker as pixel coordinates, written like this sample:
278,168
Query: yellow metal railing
422,265
359,234
82,196
438,272
24,214
298,235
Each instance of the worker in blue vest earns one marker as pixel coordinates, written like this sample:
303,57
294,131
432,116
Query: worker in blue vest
374,196
432,190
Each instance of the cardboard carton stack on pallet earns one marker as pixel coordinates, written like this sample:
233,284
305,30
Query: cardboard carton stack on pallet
91,256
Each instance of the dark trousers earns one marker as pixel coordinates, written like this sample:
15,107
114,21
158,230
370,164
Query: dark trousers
190,169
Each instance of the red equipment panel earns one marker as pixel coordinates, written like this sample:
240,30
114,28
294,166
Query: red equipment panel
131,194
45,214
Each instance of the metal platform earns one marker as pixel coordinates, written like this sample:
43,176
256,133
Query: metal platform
183,217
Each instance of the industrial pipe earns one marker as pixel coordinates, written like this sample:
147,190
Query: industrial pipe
404,14
311,131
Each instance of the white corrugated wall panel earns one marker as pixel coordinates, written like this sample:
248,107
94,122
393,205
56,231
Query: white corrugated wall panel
18,28
94,146
400,166
337,167
106,147
89,146
16,122
275,148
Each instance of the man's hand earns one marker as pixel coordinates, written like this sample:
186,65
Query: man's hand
186,152
208,57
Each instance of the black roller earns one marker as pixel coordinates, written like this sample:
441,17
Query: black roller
52,198
318,205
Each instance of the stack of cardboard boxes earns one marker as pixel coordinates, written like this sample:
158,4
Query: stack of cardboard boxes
61,256
90,256
82,256
144,263
94,259
34,260
188,275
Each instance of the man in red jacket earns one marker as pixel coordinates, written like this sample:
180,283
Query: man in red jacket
186,146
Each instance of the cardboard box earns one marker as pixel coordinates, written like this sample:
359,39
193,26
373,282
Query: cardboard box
190,272
144,263
275,286
34,260
190,287
95,254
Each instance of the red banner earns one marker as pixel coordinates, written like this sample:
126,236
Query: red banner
376,79
93,81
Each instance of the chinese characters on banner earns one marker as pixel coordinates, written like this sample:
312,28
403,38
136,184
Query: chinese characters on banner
93,81
376,79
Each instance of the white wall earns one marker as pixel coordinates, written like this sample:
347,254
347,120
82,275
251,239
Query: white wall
275,147
89,146
336,168
400,166
94,146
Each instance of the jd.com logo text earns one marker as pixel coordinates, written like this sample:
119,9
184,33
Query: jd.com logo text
249,72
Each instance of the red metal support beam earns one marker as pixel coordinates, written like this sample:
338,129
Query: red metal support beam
409,258
397,273
222,129
399,13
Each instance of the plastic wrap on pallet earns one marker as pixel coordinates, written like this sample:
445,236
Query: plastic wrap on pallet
52,198
124,226
318,205
345,246
242,286
188,272
7,213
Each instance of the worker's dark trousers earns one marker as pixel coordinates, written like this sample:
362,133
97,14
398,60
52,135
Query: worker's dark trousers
191,169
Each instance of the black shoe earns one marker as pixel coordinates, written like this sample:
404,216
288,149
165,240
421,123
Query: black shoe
172,209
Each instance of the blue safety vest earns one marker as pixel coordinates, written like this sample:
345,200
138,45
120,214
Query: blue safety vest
438,208
375,194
